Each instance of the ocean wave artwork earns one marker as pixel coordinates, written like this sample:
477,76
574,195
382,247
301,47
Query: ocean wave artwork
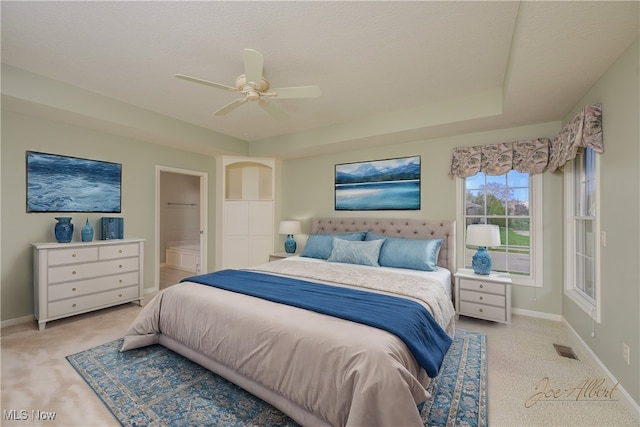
392,184
58,183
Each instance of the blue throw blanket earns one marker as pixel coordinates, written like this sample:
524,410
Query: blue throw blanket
408,320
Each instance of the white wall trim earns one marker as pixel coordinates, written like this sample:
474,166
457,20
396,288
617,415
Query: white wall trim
17,321
536,314
628,400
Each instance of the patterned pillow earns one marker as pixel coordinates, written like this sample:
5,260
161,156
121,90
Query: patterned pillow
320,245
364,253
414,254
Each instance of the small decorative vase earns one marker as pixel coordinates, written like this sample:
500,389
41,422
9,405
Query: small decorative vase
87,232
290,244
481,261
63,229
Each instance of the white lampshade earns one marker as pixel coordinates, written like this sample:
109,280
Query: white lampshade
483,235
289,227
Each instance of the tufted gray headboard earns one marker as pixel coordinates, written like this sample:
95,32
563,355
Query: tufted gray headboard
394,227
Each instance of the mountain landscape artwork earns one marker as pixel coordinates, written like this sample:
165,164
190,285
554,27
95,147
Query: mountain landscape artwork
391,184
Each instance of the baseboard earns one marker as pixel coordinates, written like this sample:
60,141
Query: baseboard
536,314
631,404
17,321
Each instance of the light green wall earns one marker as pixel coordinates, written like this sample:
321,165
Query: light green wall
307,192
618,90
19,229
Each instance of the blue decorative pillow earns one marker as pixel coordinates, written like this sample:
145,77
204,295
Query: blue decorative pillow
415,254
354,252
320,245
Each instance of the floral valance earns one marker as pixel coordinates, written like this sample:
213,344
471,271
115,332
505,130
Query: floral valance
529,156
585,130
532,156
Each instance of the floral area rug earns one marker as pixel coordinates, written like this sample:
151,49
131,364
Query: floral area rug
153,386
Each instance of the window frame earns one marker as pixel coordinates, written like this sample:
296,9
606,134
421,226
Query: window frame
535,279
591,306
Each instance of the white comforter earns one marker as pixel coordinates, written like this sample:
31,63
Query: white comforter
344,373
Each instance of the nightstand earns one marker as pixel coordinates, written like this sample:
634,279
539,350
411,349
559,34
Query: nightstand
279,255
484,297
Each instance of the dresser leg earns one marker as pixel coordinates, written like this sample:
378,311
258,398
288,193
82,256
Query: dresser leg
41,325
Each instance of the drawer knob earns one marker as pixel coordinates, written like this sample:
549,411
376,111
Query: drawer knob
120,251
73,289
120,266
73,255
481,310
481,298
120,295
73,272
120,281
73,305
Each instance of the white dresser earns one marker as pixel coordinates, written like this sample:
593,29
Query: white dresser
74,278
484,297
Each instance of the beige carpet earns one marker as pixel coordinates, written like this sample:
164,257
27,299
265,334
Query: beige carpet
36,376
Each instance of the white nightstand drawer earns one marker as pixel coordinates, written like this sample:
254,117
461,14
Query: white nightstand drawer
483,311
482,298
89,286
72,256
482,286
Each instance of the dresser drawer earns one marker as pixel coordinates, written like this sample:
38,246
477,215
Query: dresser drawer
90,286
483,311
480,286
119,251
72,256
93,301
482,298
91,270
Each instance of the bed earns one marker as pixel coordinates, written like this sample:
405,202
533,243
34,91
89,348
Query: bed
319,369
183,255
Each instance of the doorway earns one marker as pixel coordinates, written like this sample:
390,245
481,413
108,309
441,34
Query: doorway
181,225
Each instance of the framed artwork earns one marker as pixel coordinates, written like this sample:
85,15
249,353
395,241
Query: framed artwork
58,183
391,184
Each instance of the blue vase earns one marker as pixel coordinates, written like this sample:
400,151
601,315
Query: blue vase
290,244
87,232
481,261
64,229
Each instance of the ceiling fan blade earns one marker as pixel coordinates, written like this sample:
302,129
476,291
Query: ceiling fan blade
253,65
297,92
273,110
206,82
230,106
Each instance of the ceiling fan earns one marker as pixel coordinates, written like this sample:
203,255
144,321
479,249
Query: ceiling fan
254,87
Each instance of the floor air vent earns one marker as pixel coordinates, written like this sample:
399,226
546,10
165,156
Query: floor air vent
565,351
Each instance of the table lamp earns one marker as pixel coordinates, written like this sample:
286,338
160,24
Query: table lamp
289,228
482,236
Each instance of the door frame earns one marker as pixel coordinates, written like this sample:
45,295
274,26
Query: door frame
204,219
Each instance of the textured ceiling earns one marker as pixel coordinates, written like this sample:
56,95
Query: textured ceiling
374,61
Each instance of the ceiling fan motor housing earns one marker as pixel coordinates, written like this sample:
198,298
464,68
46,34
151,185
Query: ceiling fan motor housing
251,90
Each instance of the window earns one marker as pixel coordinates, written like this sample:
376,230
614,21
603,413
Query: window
582,239
513,201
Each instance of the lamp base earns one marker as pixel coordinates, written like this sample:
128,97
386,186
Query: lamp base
290,244
481,261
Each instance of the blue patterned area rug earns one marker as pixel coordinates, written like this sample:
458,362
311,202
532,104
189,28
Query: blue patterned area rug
155,386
